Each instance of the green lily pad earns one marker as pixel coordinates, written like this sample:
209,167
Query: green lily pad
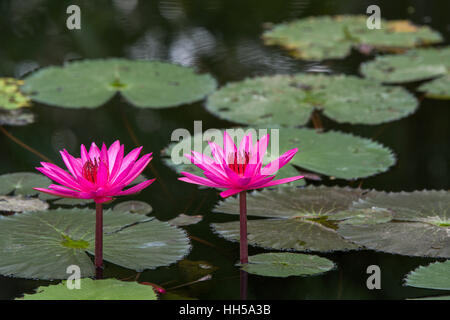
438,88
17,117
108,289
433,276
43,244
420,224
433,298
185,220
10,95
23,183
301,218
414,65
326,37
289,100
146,84
287,264
133,206
21,204
332,153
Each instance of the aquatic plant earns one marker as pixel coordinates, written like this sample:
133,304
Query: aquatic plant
100,175
239,170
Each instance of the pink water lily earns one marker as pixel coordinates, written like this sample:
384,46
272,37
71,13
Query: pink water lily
237,170
99,174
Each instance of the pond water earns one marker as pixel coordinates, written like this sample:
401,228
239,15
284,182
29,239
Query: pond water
220,37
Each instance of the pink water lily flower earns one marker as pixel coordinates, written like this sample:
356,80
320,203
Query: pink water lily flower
238,170
99,174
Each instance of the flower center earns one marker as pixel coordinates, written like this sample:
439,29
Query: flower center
90,170
238,162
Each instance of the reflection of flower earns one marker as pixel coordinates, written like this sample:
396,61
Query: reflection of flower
98,174
238,170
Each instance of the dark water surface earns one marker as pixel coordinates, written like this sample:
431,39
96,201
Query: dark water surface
221,37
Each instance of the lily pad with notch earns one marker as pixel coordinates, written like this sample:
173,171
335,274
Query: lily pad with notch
299,218
20,204
107,289
146,84
333,37
289,100
23,183
414,65
40,245
286,264
332,153
420,224
433,276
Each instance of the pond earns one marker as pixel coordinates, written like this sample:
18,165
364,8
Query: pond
223,39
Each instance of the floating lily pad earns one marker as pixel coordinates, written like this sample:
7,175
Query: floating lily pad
414,65
420,224
325,37
108,289
133,206
287,264
18,117
10,95
151,84
433,276
185,220
433,298
332,153
302,218
43,244
23,183
438,88
20,204
286,100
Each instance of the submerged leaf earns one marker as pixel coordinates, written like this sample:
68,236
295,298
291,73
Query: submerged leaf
43,244
151,84
108,289
287,264
17,117
21,204
185,220
133,206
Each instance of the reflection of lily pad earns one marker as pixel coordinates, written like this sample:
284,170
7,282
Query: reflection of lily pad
317,38
108,289
73,202
331,153
433,276
438,88
20,204
420,224
19,117
150,84
287,264
43,244
133,206
285,100
23,183
414,65
302,218
10,95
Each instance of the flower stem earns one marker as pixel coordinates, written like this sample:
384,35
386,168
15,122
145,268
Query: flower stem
243,227
98,241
